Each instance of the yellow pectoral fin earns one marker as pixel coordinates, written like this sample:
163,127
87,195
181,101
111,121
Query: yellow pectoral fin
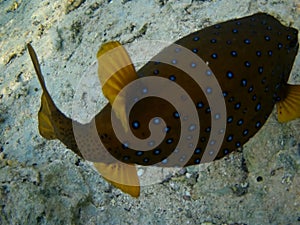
289,108
122,176
115,71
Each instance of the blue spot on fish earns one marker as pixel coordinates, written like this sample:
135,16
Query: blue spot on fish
245,132
156,151
247,41
267,38
235,31
234,53
244,82
139,153
214,55
200,105
135,124
172,77
258,53
247,64
176,115
230,74
229,138
240,122
258,107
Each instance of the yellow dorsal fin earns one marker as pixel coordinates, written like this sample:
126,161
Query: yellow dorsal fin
289,108
122,176
115,71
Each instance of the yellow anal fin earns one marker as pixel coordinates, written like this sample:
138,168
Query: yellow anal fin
115,71
289,108
122,176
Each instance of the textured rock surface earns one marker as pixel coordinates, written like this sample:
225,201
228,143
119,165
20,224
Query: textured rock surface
42,182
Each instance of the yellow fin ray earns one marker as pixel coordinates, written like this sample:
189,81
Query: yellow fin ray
115,71
289,108
121,175
46,127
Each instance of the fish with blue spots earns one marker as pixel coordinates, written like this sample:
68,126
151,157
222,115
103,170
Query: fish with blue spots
250,58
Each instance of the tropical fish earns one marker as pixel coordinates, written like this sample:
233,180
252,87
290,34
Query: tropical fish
248,61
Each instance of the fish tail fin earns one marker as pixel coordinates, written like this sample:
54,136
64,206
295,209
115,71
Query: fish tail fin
46,126
121,175
51,119
289,107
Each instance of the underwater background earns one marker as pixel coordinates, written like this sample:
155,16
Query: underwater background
43,182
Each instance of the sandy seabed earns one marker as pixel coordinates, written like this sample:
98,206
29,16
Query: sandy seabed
42,182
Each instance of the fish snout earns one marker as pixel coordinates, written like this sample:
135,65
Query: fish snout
294,43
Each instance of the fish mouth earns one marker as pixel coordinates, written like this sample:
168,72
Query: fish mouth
294,43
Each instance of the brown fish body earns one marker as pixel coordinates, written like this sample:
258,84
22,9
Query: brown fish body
251,58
